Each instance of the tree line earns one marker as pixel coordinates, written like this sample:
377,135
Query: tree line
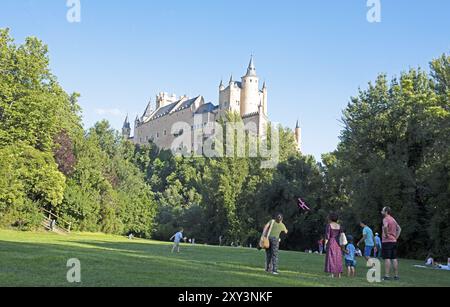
393,151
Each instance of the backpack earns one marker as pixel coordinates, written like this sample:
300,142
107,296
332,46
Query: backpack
264,243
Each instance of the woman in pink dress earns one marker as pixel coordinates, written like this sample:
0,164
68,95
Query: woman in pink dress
333,260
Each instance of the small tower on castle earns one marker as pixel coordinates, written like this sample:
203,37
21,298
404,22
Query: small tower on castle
298,136
229,97
126,129
264,98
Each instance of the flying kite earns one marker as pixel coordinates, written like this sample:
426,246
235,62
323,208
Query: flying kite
302,205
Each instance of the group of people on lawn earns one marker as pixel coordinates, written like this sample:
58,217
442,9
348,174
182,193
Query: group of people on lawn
338,246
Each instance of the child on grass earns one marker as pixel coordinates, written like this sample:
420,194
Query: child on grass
350,261
176,240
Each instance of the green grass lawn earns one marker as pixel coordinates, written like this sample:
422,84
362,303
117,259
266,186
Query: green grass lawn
39,259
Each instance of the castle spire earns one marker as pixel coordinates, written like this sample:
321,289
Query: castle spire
126,123
149,110
251,70
126,129
231,79
298,135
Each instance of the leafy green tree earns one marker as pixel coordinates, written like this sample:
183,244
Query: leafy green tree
31,182
394,137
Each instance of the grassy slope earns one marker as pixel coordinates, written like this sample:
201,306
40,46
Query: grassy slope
39,259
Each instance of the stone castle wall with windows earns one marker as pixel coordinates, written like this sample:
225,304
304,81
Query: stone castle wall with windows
174,116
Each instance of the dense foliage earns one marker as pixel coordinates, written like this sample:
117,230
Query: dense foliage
394,151
48,162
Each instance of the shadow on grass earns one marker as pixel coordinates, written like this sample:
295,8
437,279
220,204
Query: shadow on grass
128,264
143,263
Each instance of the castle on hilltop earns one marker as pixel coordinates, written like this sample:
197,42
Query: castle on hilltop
243,97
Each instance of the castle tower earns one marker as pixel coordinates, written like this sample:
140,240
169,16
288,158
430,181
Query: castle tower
163,99
230,97
298,136
250,97
126,128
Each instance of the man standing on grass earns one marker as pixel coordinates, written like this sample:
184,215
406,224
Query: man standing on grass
369,243
273,231
391,233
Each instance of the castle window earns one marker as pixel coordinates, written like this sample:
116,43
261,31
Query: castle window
165,132
157,135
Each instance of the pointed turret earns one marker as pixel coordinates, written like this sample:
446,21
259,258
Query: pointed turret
221,86
231,79
251,70
148,111
298,135
126,128
264,97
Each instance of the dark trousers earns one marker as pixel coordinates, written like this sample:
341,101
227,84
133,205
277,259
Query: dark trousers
272,255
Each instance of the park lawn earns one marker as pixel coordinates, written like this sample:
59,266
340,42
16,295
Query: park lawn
40,258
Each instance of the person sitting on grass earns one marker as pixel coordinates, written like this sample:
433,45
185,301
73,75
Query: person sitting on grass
176,240
350,261
430,261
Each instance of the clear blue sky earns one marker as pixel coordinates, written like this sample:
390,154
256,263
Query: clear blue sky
313,54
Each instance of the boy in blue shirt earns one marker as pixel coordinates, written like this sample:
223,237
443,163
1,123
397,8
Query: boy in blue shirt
368,240
176,240
350,261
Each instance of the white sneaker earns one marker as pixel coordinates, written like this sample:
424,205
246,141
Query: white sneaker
275,273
